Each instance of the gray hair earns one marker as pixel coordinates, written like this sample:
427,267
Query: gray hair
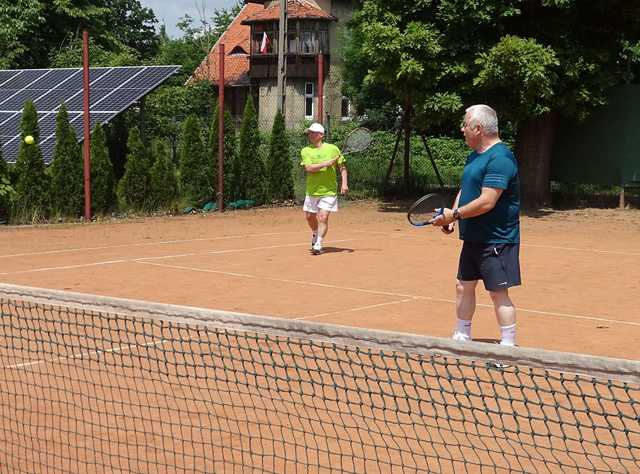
484,116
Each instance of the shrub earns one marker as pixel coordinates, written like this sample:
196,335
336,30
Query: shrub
133,188
102,178
66,169
280,172
32,184
195,182
164,184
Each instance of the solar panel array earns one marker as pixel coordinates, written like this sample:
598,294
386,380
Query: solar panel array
113,90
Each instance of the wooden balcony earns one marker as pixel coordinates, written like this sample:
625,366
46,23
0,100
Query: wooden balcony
299,66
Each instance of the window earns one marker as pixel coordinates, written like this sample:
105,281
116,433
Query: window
237,51
345,108
308,100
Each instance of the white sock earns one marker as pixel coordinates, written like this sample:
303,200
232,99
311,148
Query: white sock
318,241
464,327
314,236
508,335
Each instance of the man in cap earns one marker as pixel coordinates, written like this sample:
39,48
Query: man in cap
320,161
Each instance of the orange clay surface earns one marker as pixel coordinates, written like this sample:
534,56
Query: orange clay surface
580,269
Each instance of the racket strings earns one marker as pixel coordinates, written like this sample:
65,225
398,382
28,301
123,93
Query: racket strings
357,140
425,210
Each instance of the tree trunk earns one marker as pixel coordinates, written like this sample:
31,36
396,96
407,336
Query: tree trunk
407,145
534,145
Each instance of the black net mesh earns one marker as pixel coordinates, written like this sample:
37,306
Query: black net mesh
86,389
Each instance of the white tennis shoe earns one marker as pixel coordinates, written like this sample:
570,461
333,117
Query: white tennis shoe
459,337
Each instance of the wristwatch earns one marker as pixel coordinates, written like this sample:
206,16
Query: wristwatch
456,214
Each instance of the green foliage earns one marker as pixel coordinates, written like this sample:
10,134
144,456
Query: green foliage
279,164
253,179
230,154
133,188
66,170
168,107
7,193
523,74
164,183
195,183
33,29
19,20
70,55
197,40
525,58
133,25
102,179
32,184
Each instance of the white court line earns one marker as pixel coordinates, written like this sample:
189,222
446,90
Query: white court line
86,354
66,267
552,247
162,257
353,310
407,297
574,249
144,244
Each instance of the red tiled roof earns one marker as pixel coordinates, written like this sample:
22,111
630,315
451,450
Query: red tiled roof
236,39
298,9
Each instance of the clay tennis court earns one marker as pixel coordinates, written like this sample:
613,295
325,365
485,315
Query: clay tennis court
581,270
86,392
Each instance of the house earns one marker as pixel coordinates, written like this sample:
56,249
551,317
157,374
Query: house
251,60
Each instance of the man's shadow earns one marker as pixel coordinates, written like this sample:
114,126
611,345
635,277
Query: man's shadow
336,250
486,340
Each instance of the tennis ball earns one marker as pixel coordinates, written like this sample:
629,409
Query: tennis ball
28,140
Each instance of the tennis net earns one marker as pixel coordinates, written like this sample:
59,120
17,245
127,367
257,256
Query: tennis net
97,384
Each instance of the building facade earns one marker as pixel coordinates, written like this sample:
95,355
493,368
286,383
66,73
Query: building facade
251,61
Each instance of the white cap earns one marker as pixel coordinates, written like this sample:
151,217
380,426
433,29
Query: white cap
315,127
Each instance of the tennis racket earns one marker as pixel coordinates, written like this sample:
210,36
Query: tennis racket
358,140
426,209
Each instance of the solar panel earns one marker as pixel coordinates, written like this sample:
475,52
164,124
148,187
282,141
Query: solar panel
113,90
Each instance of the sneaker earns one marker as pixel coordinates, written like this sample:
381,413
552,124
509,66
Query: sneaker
459,337
492,364
316,249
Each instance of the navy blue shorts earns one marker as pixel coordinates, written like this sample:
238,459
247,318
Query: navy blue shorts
497,265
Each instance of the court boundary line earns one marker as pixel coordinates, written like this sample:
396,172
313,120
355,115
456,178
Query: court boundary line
143,244
82,355
162,257
400,295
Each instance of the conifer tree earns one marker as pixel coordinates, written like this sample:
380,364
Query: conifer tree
32,183
133,188
102,178
6,190
195,182
66,169
164,183
279,163
230,154
252,169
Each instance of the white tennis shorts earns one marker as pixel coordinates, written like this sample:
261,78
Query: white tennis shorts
328,203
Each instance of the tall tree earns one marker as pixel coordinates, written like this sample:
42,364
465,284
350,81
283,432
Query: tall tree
7,192
32,184
66,169
133,187
230,154
252,170
195,177
102,177
33,30
164,184
534,61
279,162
